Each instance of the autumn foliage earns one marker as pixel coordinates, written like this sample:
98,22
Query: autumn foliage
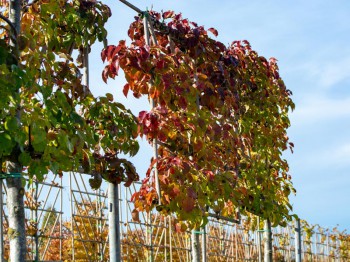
220,120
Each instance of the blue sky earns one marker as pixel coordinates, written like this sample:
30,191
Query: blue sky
311,40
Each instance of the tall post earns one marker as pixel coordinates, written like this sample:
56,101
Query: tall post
204,244
71,214
1,225
113,219
195,247
268,241
259,241
147,30
36,221
61,208
297,241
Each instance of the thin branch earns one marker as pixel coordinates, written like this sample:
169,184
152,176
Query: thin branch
9,23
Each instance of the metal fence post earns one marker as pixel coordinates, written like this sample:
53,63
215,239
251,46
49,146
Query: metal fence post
113,219
204,244
297,241
259,242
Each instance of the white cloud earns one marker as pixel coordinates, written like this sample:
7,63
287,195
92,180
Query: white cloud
314,109
337,156
334,73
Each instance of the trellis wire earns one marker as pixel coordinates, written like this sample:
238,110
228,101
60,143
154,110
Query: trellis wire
226,241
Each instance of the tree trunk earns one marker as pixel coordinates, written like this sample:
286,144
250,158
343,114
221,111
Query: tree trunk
15,190
16,219
195,246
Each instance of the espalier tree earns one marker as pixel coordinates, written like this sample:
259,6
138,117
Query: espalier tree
220,115
220,119
50,121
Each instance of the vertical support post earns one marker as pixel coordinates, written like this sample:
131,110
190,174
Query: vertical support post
195,247
1,225
123,229
100,206
153,104
170,238
165,229
268,241
85,79
71,214
150,237
204,244
61,208
236,242
147,28
328,251
36,221
297,241
113,219
259,242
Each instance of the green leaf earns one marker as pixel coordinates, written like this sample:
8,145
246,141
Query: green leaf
11,123
6,144
62,101
77,118
25,158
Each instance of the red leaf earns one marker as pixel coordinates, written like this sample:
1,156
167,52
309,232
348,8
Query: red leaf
168,14
142,115
213,31
105,74
128,183
178,16
188,204
109,51
104,54
126,90
135,216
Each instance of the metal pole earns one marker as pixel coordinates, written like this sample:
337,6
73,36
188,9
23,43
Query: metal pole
170,239
268,241
298,241
85,80
259,241
236,241
1,226
204,244
36,222
131,6
153,104
61,207
113,219
100,224
71,214
150,236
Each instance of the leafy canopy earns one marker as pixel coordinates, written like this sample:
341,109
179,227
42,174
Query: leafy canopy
49,119
220,121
